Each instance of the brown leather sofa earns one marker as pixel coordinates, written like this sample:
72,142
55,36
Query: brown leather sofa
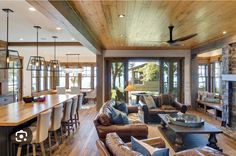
115,145
165,103
135,127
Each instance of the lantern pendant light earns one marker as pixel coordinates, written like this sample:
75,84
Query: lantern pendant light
54,65
10,58
37,63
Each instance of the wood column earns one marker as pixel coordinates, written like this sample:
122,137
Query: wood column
194,80
100,81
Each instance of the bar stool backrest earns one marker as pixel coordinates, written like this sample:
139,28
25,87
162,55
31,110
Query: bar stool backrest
74,105
43,123
67,110
80,101
57,115
75,90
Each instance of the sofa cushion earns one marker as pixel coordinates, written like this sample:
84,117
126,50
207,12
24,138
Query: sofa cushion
121,106
167,107
104,119
117,147
134,118
148,150
150,101
118,117
165,99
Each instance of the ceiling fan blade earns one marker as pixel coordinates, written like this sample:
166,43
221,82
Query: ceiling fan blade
185,38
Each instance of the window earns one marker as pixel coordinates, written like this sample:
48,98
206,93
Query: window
166,77
34,80
42,79
62,77
95,77
216,77
73,79
202,77
86,77
49,78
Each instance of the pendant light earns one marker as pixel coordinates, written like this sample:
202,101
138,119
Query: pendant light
37,63
54,64
7,55
74,70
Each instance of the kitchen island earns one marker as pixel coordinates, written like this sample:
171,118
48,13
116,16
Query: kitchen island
18,115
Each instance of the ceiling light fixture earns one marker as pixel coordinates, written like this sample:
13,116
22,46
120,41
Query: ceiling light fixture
37,63
224,32
21,39
32,9
54,65
73,70
10,58
58,28
72,39
121,16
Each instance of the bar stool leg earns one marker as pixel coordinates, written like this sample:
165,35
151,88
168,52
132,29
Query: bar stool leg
61,135
49,144
19,150
42,149
55,136
27,150
34,149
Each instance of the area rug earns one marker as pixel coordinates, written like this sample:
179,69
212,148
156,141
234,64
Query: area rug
189,140
87,106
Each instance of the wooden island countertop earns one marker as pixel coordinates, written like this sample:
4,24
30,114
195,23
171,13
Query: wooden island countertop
17,113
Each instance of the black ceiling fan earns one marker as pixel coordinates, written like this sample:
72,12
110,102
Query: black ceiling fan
176,42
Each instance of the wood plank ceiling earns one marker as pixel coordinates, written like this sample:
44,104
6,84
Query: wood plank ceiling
147,21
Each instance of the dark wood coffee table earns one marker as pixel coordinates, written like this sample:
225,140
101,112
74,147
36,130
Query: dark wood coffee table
181,131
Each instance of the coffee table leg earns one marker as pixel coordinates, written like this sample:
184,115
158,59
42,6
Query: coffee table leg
163,124
178,140
213,142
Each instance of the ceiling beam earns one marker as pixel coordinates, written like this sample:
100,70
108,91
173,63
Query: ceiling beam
62,14
44,44
213,45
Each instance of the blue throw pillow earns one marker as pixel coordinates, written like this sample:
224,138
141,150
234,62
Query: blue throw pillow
146,149
118,117
122,107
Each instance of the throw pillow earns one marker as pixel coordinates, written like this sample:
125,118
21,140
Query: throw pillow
117,147
165,99
104,119
148,150
121,106
149,101
118,117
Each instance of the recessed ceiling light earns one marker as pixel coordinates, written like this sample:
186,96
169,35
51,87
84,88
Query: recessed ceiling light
43,38
58,28
121,15
21,39
72,39
224,32
32,9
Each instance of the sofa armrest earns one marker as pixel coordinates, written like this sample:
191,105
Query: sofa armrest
145,111
123,130
181,107
132,109
155,142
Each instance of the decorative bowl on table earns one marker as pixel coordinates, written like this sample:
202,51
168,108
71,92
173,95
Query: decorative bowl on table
185,120
28,99
40,99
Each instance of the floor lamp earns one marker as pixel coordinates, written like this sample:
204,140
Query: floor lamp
128,89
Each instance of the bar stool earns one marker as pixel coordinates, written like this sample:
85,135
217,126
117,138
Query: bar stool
39,133
73,115
79,105
66,116
57,114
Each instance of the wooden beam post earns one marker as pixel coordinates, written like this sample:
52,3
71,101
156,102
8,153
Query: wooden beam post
100,81
62,14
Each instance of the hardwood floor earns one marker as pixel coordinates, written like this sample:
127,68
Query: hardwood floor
82,143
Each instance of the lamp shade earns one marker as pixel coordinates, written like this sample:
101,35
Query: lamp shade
129,88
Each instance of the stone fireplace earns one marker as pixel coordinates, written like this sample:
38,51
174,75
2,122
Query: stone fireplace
229,86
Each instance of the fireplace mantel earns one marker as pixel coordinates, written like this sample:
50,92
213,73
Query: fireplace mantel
229,77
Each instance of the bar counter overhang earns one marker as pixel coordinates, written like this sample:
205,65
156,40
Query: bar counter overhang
18,115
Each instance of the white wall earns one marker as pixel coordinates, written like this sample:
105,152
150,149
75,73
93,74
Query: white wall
160,53
47,52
